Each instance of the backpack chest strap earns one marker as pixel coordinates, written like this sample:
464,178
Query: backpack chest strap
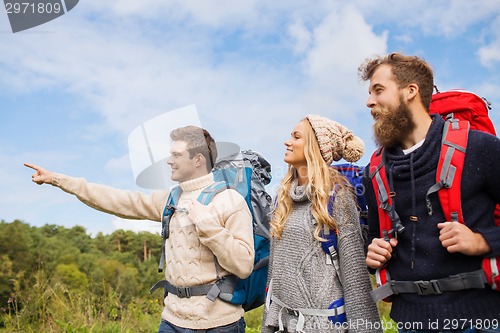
335,312
222,289
463,281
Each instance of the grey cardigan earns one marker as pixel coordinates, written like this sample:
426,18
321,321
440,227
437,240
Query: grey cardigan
302,278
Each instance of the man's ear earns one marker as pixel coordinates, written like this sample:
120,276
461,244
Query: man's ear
199,160
412,90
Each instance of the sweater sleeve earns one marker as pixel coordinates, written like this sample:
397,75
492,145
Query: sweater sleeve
361,311
122,203
227,232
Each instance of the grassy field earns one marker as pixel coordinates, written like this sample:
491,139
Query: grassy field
139,317
131,320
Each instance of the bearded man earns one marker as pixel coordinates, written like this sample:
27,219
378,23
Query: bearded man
429,249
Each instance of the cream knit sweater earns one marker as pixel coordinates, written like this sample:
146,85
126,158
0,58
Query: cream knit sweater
224,229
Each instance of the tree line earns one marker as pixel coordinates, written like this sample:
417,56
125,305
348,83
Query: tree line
54,278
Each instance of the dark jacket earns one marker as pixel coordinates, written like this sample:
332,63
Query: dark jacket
419,254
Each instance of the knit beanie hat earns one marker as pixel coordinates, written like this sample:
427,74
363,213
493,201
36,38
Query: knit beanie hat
335,140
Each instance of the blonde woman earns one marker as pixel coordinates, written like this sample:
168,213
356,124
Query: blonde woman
310,290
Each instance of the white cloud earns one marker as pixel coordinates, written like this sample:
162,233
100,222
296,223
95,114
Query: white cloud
405,38
490,54
301,36
453,18
449,18
340,44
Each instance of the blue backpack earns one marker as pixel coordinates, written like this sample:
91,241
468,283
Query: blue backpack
354,175
246,172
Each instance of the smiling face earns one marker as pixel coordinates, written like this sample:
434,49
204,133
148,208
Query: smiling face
393,118
294,154
183,167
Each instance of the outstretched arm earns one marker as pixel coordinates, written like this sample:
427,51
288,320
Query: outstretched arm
121,203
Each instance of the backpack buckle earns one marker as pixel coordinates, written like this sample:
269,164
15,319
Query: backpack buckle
183,292
428,287
292,312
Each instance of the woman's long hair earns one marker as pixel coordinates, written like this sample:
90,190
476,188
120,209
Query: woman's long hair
322,181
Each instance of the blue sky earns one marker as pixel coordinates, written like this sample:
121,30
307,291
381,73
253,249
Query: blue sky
73,89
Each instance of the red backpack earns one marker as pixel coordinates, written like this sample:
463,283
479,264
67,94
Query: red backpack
464,105
462,110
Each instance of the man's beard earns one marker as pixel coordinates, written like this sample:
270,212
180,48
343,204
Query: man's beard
393,126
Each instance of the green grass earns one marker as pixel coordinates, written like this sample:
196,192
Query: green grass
253,319
134,318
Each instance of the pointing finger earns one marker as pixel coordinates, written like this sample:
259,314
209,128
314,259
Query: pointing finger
32,166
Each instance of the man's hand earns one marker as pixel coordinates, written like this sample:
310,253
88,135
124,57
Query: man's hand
456,237
41,176
379,252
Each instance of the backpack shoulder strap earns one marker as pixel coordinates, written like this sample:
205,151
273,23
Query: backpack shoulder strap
172,201
206,196
168,211
378,177
449,169
170,206
330,245
389,221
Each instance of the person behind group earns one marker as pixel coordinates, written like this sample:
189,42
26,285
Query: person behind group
430,248
222,229
303,279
